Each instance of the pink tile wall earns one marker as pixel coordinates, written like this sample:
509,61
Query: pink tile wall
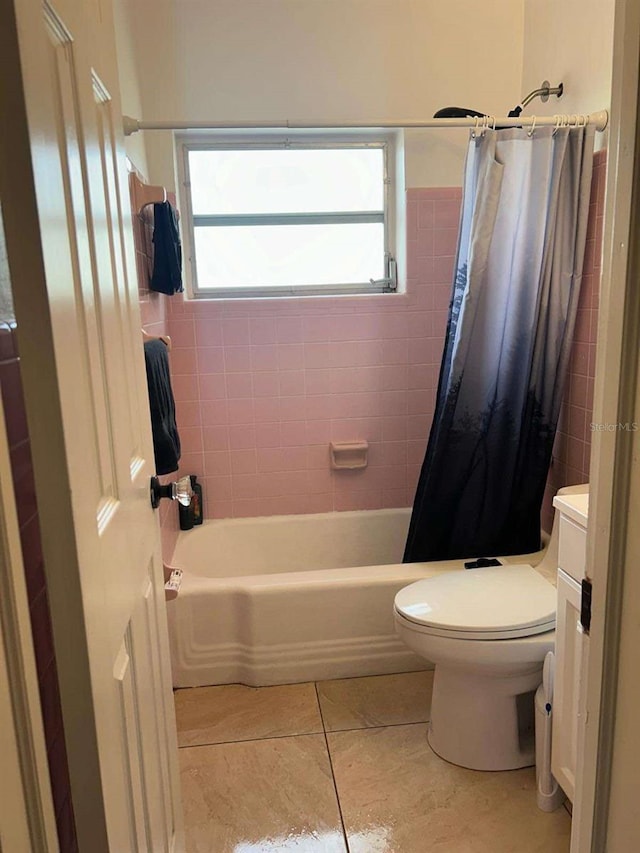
263,386
153,315
572,449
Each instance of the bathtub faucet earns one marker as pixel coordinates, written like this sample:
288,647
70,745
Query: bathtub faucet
180,491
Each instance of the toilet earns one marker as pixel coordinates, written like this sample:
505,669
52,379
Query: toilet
487,631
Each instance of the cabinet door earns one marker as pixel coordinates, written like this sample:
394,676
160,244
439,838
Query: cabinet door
566,698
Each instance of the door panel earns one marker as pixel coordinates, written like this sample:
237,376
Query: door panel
144,646
88,325
84,306
136,838
114,217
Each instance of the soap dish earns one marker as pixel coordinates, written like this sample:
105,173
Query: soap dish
349,454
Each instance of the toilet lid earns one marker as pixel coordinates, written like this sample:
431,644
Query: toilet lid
493,603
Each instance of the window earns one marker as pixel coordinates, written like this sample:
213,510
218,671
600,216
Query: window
281,218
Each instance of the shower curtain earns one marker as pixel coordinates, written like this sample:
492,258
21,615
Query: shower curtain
511,318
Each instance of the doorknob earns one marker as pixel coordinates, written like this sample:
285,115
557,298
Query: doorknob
180,491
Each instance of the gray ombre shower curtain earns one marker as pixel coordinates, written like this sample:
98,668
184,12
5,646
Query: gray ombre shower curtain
515,295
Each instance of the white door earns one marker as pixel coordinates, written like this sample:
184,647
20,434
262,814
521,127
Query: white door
77,311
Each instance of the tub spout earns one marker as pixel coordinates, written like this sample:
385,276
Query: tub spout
180,491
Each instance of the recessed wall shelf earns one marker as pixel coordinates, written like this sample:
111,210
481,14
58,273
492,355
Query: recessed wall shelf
349,455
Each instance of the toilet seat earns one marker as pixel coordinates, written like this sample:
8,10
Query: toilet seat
496,603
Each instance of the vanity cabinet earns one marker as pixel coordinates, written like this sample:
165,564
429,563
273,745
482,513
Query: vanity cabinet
571,642
569,637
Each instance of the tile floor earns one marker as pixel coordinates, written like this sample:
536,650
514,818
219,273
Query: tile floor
343,767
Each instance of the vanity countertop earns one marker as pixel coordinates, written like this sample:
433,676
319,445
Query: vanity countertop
575,507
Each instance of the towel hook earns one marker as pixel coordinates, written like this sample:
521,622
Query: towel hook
166,340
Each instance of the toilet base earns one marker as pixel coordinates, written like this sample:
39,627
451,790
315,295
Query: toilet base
478,721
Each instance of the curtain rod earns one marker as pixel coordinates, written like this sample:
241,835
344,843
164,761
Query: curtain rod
599,119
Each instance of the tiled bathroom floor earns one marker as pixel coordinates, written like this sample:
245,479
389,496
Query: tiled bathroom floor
343,767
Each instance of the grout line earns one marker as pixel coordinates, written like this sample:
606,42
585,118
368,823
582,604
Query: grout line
333,775
380,726
375,675
249,739
305,734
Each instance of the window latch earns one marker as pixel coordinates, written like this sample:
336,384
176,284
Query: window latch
390,282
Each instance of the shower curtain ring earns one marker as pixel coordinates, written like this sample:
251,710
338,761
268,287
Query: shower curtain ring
485,125
533,127
558,124
474,132
493,122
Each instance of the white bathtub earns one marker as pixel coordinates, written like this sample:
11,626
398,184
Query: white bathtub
293,598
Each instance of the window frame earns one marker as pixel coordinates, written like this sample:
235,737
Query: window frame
366,138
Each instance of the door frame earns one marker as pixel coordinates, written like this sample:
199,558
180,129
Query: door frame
26,807
612,524
618,343
27,819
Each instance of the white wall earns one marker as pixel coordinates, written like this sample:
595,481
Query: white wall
328,60
569,41
129,77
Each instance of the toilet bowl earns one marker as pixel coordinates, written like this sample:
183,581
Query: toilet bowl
487,631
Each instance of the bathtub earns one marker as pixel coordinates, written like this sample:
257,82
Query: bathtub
293,598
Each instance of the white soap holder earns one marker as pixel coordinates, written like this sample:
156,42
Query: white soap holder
349,455
172,586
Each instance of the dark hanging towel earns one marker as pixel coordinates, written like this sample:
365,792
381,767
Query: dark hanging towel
167,250
166,441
